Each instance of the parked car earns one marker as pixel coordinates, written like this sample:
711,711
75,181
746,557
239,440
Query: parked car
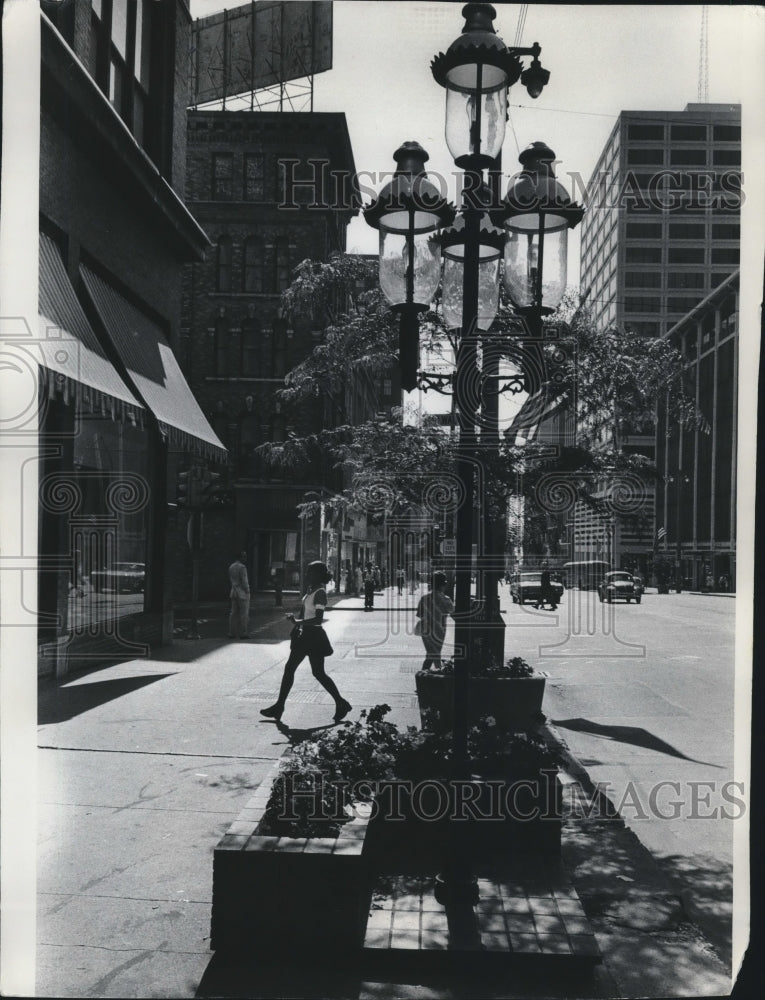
122,577
619,585
528,587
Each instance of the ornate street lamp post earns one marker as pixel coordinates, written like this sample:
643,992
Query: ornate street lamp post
408,212
537,214
476,70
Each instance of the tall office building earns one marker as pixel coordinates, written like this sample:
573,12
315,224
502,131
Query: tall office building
661,232
662,223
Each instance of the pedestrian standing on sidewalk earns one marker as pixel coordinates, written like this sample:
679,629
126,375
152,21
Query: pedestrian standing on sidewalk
238,620
369,589
400,579
432,609
358,580
309,639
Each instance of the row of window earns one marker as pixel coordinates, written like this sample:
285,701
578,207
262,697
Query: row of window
683,157
253,351
653,230
267,264
253,187
680,255
650,304
651,132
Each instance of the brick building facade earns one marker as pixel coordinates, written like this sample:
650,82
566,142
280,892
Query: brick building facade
271,190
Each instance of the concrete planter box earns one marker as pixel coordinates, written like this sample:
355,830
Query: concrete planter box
504,814
273,892
512,701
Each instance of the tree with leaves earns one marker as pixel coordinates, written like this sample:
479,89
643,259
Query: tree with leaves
611,380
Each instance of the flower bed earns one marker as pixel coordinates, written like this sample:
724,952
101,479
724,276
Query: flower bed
510,693
293,867
297,864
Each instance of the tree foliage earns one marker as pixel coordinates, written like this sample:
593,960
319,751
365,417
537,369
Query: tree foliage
612,378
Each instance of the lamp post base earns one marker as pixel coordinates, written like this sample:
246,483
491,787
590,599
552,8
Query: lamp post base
456,888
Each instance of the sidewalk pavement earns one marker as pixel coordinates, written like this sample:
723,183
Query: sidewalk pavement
144,764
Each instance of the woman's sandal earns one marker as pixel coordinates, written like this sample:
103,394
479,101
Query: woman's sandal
273,712
342,710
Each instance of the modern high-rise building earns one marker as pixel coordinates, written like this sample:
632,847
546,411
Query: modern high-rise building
661,233
661,228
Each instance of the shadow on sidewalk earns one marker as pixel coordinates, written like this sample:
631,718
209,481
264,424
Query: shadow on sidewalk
634,735
61,703
317,976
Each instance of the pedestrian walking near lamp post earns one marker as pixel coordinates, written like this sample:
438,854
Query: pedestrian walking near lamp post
400,580
432,609
308,638
238,621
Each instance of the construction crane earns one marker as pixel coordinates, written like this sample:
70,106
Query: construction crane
703,93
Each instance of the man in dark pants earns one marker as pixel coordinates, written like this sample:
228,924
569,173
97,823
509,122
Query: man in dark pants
369,589
546,595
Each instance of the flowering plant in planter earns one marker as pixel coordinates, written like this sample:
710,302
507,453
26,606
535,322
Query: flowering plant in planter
320,781
510,691
487,665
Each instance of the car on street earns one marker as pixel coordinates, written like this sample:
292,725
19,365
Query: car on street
619,585
122,577
527,586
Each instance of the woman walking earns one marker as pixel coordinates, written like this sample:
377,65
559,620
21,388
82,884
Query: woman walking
309,639
432,610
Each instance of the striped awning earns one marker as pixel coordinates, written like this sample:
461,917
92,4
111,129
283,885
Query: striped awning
153,369
76,366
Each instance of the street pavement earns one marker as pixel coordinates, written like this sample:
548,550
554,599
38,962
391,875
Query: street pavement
643,697
144,764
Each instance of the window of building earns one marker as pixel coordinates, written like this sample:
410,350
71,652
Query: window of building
222,175
688,157
643,230
727,133
728,317
387,387
726,157
645,157
224,264
254,176
118,59
719,276
646,329
221,344
686,255
250,347
688,133
642,279
254,261
686,231
635,304
682,305
726,231
725,255
686,279
643,255
707,331
646,132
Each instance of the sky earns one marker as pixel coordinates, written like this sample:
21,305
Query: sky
602,59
